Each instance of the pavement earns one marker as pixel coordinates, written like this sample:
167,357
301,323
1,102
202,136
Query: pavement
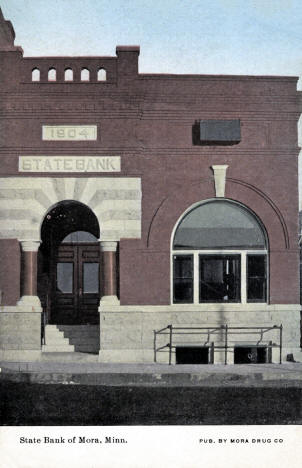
94,394
109,374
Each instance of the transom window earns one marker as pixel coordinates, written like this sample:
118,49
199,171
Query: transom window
79,236
219,254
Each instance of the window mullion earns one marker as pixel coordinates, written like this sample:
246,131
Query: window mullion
196,278
243,278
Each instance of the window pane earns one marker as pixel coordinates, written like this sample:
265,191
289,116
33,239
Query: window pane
52,74
65,277
183,278
35,75
219,278
91,277
183,266
68,74
256,278
85,74
219,224
102,74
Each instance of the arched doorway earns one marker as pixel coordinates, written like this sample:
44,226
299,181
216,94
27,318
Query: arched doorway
69,265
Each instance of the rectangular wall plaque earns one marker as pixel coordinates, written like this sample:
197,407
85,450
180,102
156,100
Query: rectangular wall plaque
69,132
69,163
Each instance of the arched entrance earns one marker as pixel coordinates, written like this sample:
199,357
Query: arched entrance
69,265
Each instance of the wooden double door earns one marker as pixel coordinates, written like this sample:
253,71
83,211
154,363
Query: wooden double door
76,284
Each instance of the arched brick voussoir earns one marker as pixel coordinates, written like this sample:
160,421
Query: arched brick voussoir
264,207
173,207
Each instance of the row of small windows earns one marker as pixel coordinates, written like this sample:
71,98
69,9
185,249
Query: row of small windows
68,74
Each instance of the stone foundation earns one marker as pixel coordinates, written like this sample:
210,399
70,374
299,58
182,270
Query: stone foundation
20,333
127,332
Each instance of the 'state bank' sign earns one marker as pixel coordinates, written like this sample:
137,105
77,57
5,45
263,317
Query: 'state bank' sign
69,163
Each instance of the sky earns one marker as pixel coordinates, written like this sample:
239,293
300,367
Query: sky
176,36
249,37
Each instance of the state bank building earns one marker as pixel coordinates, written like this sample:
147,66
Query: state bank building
146,217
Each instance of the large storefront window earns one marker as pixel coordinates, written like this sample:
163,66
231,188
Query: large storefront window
219,255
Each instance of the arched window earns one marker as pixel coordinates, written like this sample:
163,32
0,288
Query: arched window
68,74
219,254
35,74
52,74
102,76
85,74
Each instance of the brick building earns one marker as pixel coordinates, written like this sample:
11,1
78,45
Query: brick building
132,203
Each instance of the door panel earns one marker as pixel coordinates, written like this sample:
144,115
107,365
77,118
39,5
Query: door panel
89,283
76,284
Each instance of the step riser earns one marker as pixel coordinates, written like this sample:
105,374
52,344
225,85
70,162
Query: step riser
57,349
85,338
86,349
67,338
55,341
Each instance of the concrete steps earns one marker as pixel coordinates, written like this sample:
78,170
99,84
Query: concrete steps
84,338
55,342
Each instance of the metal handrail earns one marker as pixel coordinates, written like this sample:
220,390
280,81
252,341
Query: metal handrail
171,331
44,319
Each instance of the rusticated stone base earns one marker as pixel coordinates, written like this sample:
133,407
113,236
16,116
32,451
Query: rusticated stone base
127,332
20,332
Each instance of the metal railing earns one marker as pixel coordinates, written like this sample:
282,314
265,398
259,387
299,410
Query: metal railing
44,318
225,332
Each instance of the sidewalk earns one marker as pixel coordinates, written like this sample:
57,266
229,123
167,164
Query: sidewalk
94,373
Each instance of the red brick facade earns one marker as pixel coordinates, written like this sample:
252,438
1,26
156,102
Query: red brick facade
149,120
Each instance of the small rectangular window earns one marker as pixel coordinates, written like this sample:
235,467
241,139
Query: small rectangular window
256,278
192,355
251,355
183,279
219,278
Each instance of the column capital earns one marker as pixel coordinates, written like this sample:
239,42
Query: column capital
30,245
108,246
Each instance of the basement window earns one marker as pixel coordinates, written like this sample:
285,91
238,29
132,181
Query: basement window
192,355
252,355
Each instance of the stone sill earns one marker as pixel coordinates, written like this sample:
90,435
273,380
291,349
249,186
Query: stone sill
170,308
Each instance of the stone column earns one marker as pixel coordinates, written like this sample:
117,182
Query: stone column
29,274
108,276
